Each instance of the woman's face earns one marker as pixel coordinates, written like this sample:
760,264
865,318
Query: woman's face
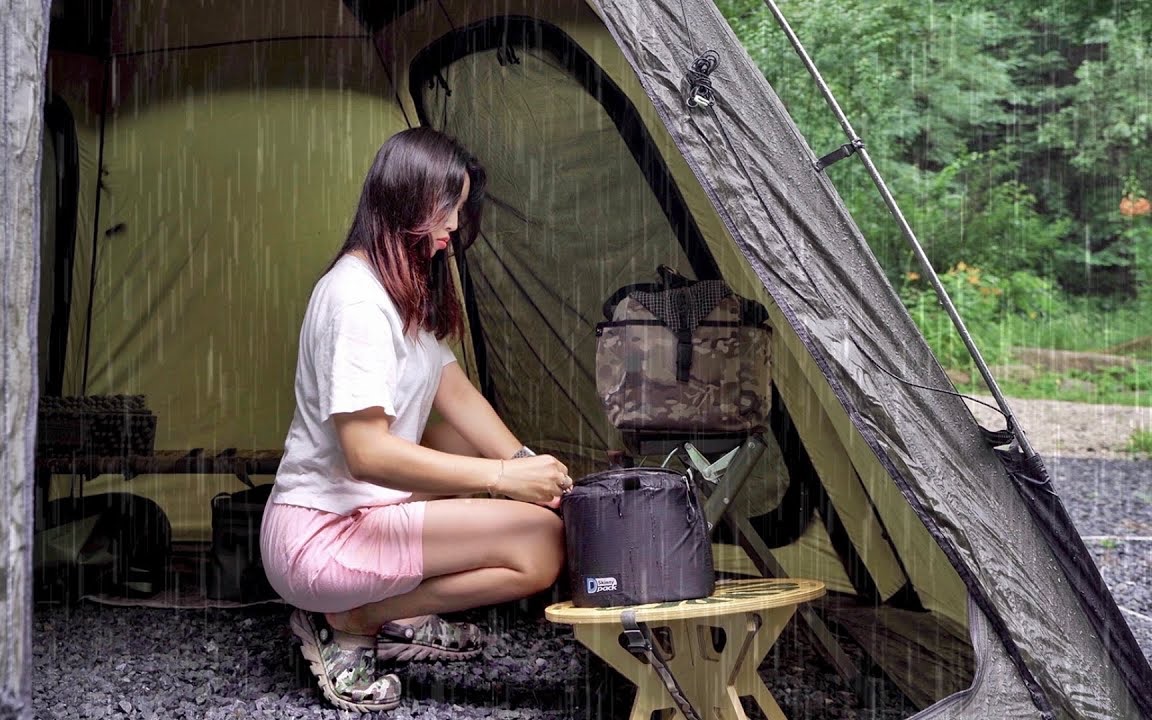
440,236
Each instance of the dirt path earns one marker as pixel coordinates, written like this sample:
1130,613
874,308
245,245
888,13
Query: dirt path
1069,429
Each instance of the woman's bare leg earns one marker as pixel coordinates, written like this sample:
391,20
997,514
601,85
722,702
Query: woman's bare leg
476,552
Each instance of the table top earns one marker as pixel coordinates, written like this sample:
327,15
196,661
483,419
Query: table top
730,597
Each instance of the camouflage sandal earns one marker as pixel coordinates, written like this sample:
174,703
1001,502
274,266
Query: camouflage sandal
347,676
433,639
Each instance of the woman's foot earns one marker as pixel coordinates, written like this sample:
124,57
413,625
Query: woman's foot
344,665
427,638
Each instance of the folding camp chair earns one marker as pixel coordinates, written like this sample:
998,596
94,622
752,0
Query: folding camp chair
721,464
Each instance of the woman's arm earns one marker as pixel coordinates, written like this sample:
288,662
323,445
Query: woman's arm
373,453
471,415
376,455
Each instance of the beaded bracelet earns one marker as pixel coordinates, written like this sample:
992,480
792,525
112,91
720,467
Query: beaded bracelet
523,452
493,483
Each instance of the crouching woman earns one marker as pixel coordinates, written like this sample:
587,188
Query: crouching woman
370,532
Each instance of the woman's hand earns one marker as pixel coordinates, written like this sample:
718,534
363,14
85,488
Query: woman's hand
540,479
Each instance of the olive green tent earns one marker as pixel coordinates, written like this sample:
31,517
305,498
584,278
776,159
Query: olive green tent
201,164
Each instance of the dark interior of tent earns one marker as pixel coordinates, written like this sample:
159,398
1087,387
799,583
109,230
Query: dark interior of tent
582,204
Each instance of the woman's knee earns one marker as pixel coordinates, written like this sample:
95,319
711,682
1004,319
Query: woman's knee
537,555
545,556
461,535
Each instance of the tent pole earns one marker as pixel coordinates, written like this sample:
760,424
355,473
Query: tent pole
858,145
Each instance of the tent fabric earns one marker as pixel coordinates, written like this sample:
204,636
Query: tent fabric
197,300
48,220
175,256
544,313
59,178
446,93
933,670
232,142
995,690
807,251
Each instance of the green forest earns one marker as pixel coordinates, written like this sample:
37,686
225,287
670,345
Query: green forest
1013,136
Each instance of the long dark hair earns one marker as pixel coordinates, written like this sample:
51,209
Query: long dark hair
414,183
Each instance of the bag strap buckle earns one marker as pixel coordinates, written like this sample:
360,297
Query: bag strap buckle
640,644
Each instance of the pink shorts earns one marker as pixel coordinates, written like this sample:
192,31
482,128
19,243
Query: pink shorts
325,562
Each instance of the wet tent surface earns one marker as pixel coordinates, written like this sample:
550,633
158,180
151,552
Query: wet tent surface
94,661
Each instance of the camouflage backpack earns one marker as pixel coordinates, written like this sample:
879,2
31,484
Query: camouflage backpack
683,356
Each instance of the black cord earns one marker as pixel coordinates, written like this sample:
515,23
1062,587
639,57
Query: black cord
700,90
1033,463
942,391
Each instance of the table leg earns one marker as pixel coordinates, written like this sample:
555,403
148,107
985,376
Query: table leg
746,680
604,641
713,681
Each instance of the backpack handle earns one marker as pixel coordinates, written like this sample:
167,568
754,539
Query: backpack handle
615,298
669,280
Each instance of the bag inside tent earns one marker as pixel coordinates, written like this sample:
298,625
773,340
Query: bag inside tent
202,164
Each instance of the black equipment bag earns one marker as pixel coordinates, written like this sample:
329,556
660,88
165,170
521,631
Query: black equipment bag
235,570
115,544
635,536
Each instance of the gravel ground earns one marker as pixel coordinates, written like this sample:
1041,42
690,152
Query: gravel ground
95,661
1111,504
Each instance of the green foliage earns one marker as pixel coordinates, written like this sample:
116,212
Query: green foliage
1004,312
1008,132
1136,240
1101,128
1083,324
917,82
1115,386
916,79
1014,137
984,301
1141,442
1019,309
1104,118
974,210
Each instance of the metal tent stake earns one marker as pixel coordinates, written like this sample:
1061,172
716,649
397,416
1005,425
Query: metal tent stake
857,145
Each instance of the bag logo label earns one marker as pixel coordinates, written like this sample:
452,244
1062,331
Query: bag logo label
593,585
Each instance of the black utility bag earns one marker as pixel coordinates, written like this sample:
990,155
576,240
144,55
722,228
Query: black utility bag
116,544
235,571
636,536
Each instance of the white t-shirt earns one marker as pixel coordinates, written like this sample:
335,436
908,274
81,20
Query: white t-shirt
353,355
